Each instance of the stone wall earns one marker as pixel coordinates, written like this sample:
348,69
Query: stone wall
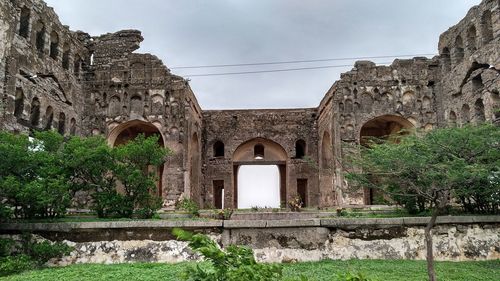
455,239
279,130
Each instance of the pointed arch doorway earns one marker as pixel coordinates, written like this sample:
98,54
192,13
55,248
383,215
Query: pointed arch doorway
260,174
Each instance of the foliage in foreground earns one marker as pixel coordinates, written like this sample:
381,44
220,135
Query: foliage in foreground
232,263
423,171
16,257
39,177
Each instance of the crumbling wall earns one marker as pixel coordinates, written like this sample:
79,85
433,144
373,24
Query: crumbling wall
40,73
469,57
129,87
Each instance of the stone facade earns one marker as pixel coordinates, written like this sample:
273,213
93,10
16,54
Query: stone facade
55,78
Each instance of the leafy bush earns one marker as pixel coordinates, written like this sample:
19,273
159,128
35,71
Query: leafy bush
232,264
188,205
5,247
15,264
27,254
295,203
44,251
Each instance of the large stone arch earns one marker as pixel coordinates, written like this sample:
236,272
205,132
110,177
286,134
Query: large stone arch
260,151
127,131
385,127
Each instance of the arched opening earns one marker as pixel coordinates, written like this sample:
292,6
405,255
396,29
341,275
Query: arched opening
471,39
259,152
136,106
446,58
40,38
326,151
129,131
77,65
54,45
479,111
459,49
49,118
115,106
259,181
452,118
61,127
19,103
300,149
218,149
465,114
35,112
195,171
72,127
24,22
65,57
487,27
388,128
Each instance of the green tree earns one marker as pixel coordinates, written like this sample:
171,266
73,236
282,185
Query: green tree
136,168
90,163
32,177
428,169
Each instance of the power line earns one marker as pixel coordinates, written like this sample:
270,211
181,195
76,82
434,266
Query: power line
255,64
294,61
272,70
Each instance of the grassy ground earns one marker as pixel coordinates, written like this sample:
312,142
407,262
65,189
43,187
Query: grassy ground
326,270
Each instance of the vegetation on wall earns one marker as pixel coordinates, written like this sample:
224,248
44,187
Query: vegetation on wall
40,176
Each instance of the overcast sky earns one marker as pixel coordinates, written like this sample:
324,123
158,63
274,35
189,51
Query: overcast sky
202,32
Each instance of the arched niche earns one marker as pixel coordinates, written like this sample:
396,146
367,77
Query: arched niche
326,151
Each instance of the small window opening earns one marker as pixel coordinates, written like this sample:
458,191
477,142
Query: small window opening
19,103
40,39
258,152
62,123
35,112
49,118
54,45
65,57
300,149
218,149
24,23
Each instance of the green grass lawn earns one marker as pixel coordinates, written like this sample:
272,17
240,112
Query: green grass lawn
325,270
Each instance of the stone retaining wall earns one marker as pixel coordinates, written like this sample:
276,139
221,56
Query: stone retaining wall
455,238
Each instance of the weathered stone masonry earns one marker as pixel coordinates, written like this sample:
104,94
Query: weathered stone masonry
55,78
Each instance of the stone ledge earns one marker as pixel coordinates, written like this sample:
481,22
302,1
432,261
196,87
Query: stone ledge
69,226
231,224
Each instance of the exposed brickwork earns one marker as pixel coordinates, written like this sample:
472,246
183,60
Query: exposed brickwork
54,78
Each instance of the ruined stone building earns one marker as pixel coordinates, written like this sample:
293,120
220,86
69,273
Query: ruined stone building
55,78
